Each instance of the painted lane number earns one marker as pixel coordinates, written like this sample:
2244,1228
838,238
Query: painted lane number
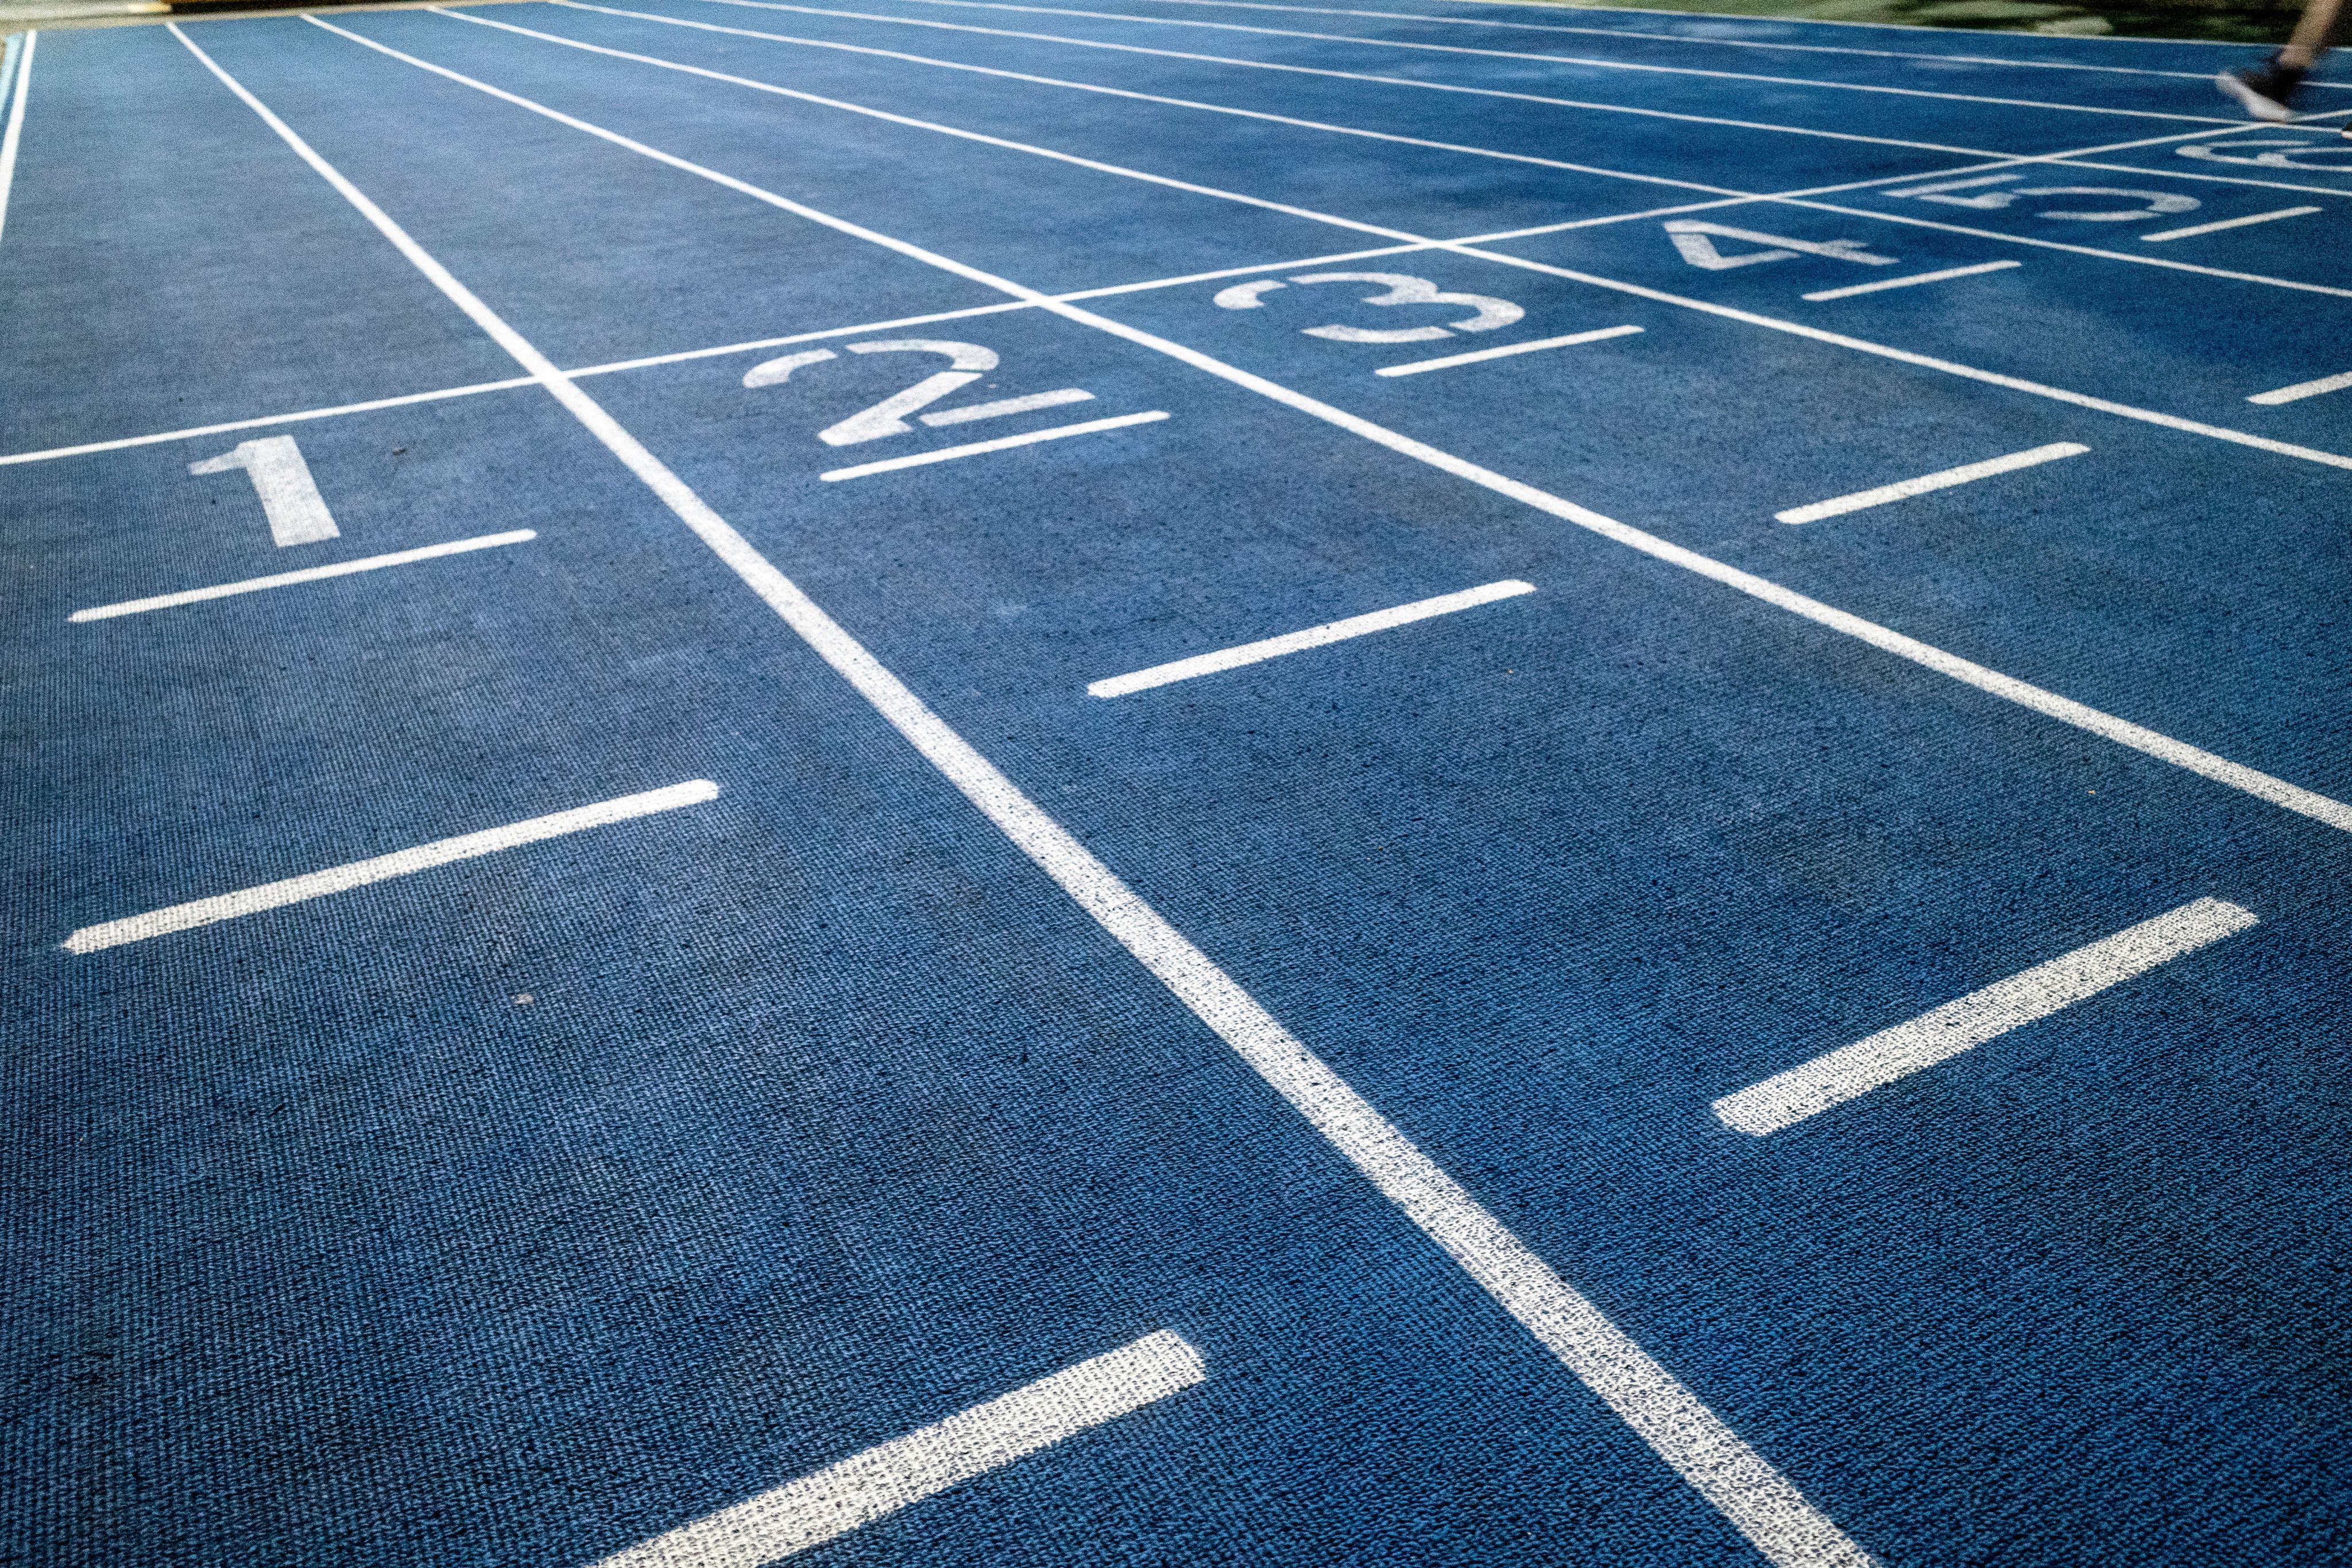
290,501
1396,288
2140,203
967,362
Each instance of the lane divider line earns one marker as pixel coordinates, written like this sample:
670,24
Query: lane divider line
1851,1070
1003,442
1312,637
1417,367
855,1492
307,574
2302,390
382,868
1851,290
1838,505
2196,229
1760,1502
21,82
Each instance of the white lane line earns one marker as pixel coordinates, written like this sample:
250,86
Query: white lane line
308,574
883,1479
1004,406
22,82
1417,366
1588,61
1839,506
1852,289
949,453
1313,637
2138,737
402,862
1787,1098
1757,1499
2302,390
193,431
2194,230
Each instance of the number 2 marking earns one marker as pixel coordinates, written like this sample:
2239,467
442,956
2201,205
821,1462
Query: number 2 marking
296,512
967,363
1400,290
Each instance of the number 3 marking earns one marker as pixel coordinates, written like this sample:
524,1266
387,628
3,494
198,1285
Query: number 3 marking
967,361
1400,290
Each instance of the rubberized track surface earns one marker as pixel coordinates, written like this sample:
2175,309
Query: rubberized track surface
1651,986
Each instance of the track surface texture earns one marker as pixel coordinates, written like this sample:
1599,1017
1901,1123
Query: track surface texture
919,782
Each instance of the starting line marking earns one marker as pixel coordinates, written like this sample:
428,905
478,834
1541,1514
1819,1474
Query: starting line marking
381,868
308,574
2302,390
1853,289
1415,366
2194,230
883,1479
949,453
1313,637
1787,1098
1837,505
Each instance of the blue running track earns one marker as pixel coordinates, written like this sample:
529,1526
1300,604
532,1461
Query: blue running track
834,1017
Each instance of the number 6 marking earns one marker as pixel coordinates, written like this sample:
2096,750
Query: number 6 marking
968,362
1401,289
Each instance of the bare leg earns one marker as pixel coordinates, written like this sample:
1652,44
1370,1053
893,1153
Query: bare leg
2311,35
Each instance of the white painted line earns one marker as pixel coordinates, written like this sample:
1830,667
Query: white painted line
196,430
2192,232
1760,1502
949,453
1787,1098
1417,366
1853,288
1313,637
22,81
853,1493
1841,505
1004,406
2302,390
401,862
308,574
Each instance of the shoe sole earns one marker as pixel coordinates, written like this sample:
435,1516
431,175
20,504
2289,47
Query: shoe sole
2255,104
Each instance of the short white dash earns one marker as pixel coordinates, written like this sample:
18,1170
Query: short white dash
2192,232
1852,289
1789,1097
1004,406
880,1482
1415,366
307,574
1313,637
949,453
359,873
1838,505
2302,390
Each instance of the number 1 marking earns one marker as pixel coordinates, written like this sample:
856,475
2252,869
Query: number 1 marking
296,512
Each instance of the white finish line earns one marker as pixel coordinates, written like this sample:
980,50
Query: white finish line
1505,352
949,453
1881,286
1860,500
2194,230
1313,637
1787,1098
307,574
880,1482
382,868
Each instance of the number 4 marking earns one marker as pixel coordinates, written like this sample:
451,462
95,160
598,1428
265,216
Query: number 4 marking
1695,240
296,512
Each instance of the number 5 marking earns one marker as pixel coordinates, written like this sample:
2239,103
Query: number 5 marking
1400,290
2159,202
968,362
296,512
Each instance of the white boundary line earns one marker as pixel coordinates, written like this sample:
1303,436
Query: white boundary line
308,574
1852,289
2214,228
2302,390
854,1493
402,862
1312,637
1753,1496
1002,444
1772,323
18,90
1851,1070
1927,484
1418,367
1594,63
